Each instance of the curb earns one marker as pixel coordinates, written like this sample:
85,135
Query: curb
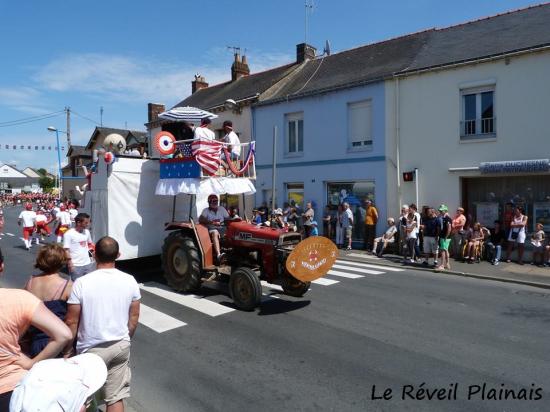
457,273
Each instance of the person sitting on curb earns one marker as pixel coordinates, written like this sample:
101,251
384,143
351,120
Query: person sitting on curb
494,243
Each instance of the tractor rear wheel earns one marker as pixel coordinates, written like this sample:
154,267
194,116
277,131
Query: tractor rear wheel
181,262
294,287
245,288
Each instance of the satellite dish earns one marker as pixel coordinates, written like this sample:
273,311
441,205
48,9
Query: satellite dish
115,143
230,104
327,48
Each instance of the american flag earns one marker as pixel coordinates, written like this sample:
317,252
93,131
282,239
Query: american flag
207,154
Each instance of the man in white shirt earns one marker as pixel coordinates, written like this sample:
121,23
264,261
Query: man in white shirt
41,226
231,138
77,242
203,131
213,217
347,223
28,218
103,314
63,219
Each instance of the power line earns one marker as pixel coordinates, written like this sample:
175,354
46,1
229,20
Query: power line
86,118
30,119
20,122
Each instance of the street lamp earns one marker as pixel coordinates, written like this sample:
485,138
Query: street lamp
53,129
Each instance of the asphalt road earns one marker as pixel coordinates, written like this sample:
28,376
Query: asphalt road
397,331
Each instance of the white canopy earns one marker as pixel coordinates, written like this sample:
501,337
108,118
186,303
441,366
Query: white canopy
205,187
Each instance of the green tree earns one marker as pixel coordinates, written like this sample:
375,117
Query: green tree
46,183
42,171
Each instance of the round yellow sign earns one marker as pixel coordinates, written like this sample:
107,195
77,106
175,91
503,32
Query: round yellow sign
312,258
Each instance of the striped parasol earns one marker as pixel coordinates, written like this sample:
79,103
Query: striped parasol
186,114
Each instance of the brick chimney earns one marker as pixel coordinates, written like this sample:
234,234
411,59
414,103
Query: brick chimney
198,83
239,68
153,111
304,52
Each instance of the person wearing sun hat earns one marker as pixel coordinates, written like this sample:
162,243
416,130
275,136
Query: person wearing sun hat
444,237
59,384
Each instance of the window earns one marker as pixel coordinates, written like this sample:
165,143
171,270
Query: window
478,115
295,194
294,133
360,125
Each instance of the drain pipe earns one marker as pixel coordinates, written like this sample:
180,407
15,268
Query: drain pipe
397,145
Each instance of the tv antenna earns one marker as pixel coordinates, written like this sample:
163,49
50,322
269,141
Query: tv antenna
308,5
236,50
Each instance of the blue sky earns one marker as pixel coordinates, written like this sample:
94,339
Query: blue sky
121,55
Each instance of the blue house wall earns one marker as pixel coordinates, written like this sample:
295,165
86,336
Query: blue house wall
326,156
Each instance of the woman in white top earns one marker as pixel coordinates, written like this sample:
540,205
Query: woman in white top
517,234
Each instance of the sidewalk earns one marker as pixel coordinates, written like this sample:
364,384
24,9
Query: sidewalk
504,272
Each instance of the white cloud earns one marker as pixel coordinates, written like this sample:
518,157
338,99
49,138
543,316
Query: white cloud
24,99
132,79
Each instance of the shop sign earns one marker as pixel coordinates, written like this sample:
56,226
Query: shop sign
516,166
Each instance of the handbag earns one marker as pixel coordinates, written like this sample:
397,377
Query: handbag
514,235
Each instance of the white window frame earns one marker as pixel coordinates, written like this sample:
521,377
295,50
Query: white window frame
478,135
367,142
291,120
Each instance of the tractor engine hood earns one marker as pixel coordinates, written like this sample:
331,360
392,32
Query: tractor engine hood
244,231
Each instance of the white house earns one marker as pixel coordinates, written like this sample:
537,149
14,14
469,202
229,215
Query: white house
471,115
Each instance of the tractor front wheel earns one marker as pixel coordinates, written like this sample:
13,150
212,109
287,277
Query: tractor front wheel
245,288
181,262
293,287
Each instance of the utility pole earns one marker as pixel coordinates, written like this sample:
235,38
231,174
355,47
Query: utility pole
68,111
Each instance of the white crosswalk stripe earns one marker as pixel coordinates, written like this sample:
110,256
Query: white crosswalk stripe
10,234
191,301
367,265
325,281
356,269
363,256
344,274
157,320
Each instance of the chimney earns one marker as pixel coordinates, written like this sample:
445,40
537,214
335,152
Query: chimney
239,68
198,83
153,111
304,52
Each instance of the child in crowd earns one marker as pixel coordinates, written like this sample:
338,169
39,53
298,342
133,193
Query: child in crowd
537,240
314,231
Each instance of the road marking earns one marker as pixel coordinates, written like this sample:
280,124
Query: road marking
191,301
366,265
271,286
325,282
344,274
363,256
356,269
156,320
10,234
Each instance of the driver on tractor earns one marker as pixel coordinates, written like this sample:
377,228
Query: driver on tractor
213,217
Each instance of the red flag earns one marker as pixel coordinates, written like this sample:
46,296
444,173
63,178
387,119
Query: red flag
207,154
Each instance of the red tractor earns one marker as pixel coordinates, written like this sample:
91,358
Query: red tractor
252,253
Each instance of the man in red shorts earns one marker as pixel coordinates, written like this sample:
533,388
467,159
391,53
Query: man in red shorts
28,217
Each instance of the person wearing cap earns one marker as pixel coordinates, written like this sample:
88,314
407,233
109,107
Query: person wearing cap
232,140
28,218
314,230
203,132
103,315
256,217
444,235
213,217
278,222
